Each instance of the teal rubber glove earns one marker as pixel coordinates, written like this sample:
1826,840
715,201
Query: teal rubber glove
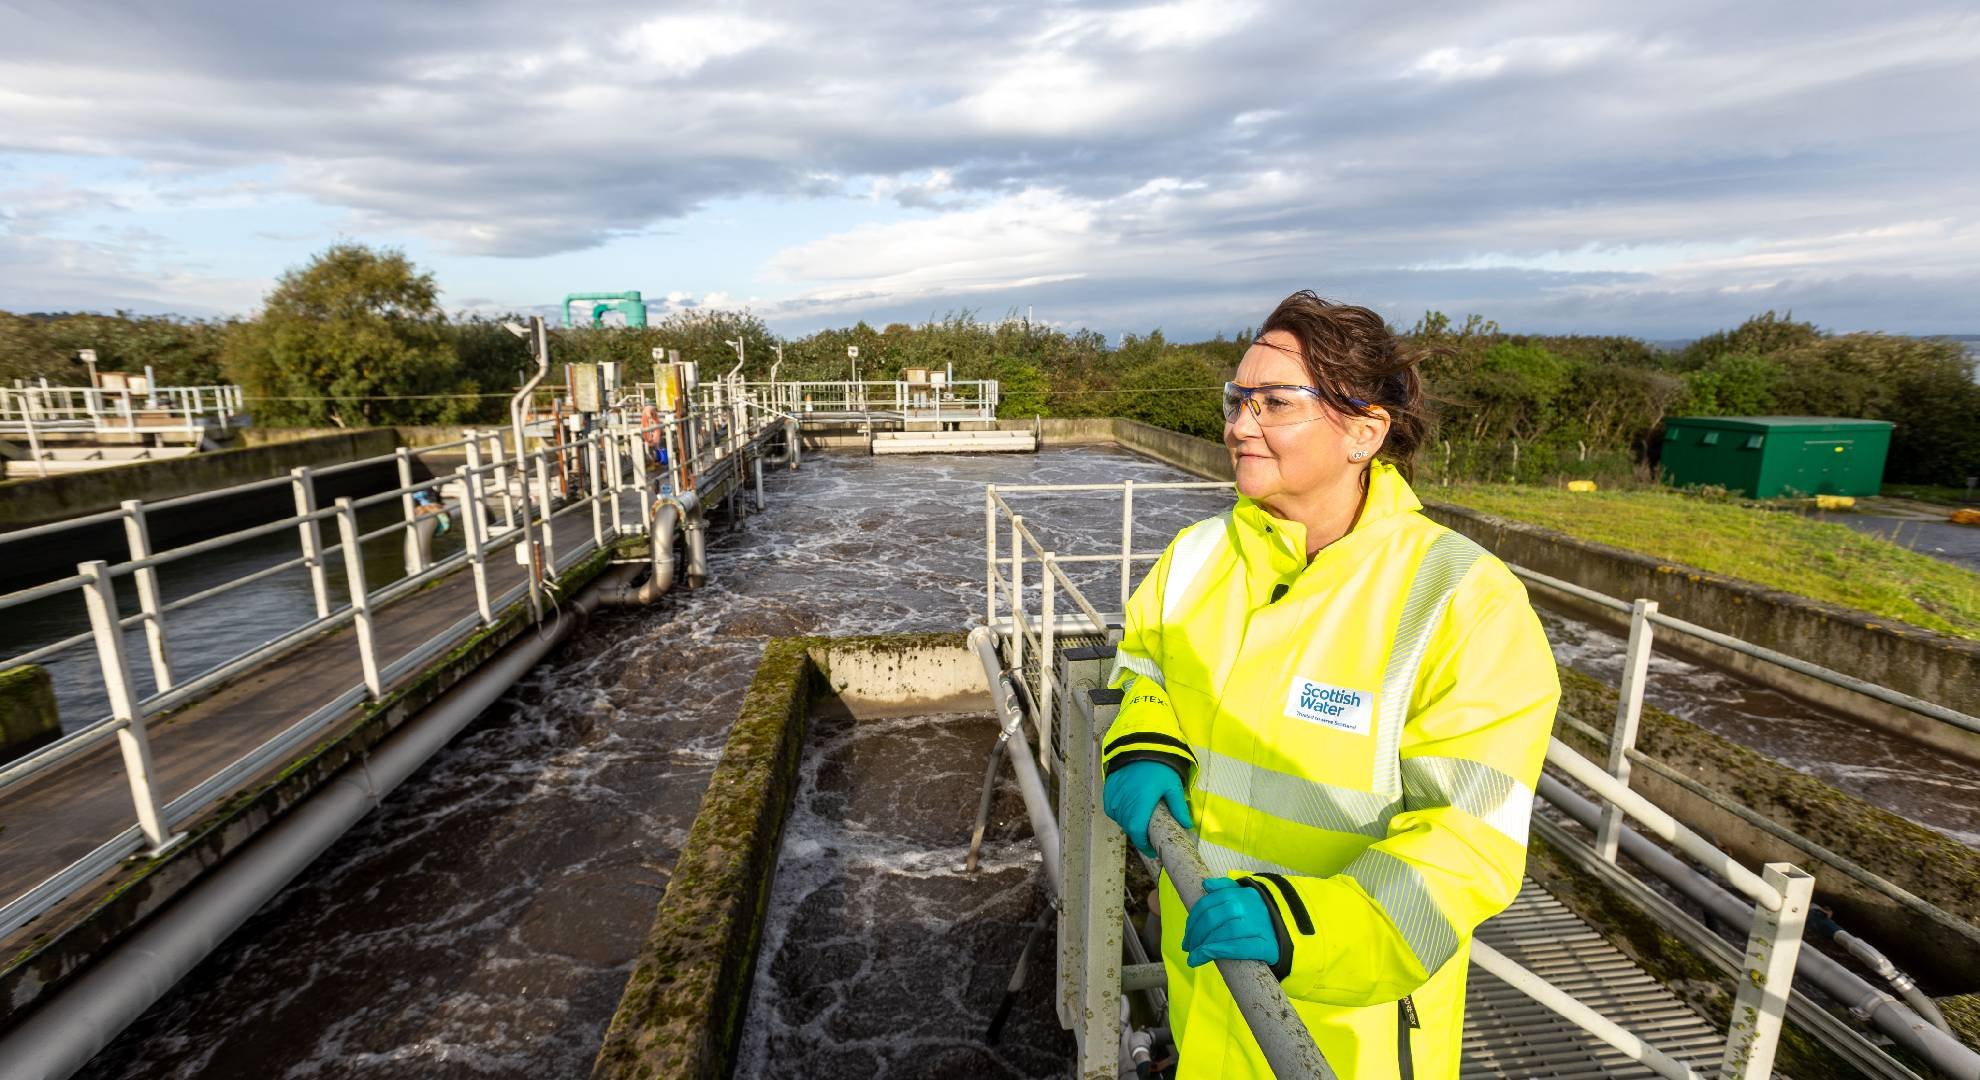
1229,923
1130,795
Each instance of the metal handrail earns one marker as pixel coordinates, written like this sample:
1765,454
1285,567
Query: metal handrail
1781,894
611,455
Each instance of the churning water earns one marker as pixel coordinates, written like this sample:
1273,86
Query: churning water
483,920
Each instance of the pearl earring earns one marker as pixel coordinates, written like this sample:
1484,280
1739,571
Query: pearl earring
1358,455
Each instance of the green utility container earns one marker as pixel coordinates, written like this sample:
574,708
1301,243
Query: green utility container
1766,456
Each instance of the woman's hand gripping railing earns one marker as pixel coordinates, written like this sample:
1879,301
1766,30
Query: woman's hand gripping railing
1281,1034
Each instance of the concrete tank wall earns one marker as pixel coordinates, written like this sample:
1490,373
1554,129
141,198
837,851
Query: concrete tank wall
37,500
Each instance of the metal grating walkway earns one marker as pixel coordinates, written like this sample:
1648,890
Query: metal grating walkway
1507,1034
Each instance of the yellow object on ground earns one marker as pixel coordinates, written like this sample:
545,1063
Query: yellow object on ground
1965,517
1581,485
1834,502
1360,737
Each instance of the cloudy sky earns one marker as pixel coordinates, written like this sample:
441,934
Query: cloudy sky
1657,169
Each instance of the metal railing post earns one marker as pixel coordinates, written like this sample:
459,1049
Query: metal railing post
100,596
1761,1001
989,554
1127,542
1047,652
542,459
34,440
1629,711
347,533
1017,596
138,534
409,510
304,486
615,464
591,459
1094,855
502,480
474,525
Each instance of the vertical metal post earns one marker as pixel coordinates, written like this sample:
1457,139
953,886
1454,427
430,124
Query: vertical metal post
543,497
34,441
1629,711
591,457
1047,653
1017,596
100,596
474,524
644,482
615,464
756,465
304,486
990,555
409,510
1127,544
149,601
1761,1001
347,533
502,480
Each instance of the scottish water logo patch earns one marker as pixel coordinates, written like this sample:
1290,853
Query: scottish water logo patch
1352,711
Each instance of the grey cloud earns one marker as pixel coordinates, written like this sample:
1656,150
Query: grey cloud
515,130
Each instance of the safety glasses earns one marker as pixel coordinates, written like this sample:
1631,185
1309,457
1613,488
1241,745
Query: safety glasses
1280,404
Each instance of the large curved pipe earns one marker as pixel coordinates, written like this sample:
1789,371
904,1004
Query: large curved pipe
1889,1015
1010,716
668,512
62,1035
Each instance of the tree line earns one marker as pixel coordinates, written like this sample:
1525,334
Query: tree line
357,337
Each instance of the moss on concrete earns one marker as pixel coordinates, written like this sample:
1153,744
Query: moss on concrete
1925,862
681,1011
27,710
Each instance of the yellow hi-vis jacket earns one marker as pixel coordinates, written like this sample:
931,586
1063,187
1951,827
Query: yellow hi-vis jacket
1359,737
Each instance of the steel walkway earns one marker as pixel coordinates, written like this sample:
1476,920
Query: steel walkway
1507,1034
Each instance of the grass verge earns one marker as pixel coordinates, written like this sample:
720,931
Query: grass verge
1771,548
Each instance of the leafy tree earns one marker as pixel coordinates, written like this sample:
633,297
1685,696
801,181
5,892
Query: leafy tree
1731,384
1178,391
354,337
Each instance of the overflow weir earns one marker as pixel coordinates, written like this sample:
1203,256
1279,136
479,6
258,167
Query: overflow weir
697,838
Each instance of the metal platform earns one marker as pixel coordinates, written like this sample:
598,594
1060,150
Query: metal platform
1507,1034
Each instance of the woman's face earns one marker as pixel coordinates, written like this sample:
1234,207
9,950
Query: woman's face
1294,463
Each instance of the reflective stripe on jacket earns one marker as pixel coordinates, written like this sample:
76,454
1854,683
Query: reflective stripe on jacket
1360,737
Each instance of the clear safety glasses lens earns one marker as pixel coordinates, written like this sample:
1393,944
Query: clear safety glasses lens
1273,406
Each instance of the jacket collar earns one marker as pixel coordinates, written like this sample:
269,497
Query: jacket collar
1276,546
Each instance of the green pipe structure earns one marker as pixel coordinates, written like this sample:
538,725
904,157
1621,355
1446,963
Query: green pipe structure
628,304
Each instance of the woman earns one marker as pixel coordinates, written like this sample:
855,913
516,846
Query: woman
1347,701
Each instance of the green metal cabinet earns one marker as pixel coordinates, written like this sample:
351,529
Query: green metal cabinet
1766,456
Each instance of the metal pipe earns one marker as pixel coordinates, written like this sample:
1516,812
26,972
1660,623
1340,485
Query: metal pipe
667,513
1880,1009
65,1032
697,545
1281,1035
1874,959
541,341
1037,805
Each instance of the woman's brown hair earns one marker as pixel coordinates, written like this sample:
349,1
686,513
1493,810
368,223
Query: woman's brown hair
1350,353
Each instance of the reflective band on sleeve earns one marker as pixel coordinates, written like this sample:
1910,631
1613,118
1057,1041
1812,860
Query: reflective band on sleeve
1293,798
1399,889
1190,555
1140,666
1450,557
1474,787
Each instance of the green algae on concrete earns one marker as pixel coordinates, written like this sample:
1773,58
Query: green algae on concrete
1922,861
680,1014
28,719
